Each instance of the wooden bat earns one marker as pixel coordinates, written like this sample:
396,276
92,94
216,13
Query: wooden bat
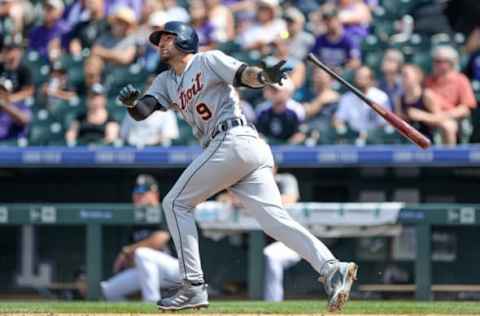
399,124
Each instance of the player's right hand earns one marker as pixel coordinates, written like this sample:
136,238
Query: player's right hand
128,95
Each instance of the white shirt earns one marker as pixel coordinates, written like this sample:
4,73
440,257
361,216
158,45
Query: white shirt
358,115
159,128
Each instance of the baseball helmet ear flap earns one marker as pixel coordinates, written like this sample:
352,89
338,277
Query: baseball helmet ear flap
186,36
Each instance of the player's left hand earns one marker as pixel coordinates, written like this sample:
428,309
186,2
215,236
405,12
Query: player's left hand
275,73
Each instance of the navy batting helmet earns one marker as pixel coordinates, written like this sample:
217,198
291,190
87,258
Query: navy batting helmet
186,37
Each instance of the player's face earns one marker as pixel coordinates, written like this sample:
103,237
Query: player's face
166,47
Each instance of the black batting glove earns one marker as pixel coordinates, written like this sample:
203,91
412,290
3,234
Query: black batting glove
273,74
128,95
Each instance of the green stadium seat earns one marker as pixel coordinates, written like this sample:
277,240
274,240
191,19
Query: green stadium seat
39,132
38,66
396,8
384,135
74,65
347,136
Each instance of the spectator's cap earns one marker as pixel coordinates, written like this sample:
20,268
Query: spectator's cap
6,84
157,19
329,12
294,15
97,89
287,85
145,183
56,4
124,14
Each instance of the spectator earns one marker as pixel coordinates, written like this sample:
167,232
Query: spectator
279,257
391,80
85,33
118,46
281,52
353,113
299,41
356,18
93,74
13,69
222,19
95,126
57,89
454,91
472,47
145,265
48,39
11,19
14,116
160,128
417,106
279,118
320,110
335,47
202,24
266,29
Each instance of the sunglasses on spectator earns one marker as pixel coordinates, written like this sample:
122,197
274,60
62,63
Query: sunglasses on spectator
440,60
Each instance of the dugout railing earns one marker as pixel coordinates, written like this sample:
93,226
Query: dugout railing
96,216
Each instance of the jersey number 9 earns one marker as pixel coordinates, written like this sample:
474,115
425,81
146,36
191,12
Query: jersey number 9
204,111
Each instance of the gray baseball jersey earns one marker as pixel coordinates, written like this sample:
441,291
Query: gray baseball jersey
203,93
236,159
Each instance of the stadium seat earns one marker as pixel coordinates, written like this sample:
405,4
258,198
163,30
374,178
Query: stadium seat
39,131
384,135
74,66
38,66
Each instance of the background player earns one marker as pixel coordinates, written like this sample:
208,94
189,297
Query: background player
145,265
201,87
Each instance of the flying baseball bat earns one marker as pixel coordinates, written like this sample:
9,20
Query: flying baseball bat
400,125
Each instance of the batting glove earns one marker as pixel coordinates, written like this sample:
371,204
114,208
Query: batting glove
273,74
128,95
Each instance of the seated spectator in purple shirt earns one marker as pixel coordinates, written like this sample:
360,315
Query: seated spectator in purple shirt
118,46
13,69
279,118
356,18
201,23
48,38
335,48
14,116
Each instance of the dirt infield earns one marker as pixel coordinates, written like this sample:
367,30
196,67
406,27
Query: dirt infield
199,314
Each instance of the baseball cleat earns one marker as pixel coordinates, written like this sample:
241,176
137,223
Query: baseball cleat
338,284
188,297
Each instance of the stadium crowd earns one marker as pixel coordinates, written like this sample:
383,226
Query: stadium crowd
62,64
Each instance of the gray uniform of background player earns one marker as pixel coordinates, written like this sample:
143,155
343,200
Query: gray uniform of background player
236,159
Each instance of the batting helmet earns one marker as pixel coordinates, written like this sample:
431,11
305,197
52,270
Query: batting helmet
186,37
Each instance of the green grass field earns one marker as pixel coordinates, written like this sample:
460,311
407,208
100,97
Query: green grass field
247,307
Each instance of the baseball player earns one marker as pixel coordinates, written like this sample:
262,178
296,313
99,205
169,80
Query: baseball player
145,265
200,86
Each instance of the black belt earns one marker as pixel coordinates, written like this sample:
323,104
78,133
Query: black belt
228,124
